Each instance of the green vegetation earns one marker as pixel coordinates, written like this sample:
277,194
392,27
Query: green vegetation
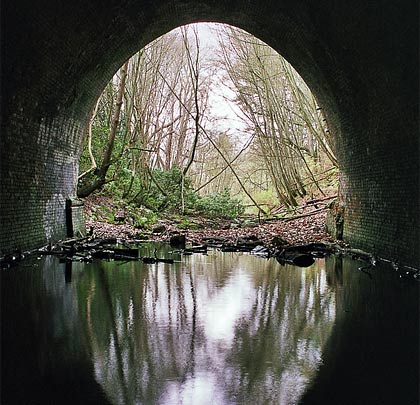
220,205
147,202
156,142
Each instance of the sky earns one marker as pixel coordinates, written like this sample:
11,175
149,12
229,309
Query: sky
225,112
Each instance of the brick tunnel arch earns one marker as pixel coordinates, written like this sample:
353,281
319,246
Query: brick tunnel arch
359,58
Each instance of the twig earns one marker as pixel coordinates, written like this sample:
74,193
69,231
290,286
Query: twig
296,216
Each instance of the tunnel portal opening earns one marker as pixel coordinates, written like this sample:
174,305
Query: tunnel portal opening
360,60
206,120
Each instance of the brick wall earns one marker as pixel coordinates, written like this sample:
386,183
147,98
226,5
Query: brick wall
359,58
38,175
75,213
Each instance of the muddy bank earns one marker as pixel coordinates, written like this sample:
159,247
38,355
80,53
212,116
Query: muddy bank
307,227
298,231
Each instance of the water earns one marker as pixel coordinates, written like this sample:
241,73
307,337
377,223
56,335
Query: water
225,328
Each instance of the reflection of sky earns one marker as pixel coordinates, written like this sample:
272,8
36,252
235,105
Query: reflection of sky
101,325
218,315
228,297
222,311
202,389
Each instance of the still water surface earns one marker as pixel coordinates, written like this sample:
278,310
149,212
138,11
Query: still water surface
226,328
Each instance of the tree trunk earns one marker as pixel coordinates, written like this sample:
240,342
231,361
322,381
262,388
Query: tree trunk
100,173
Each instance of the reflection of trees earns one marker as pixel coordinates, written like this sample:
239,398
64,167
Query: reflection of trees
148,327
278,347
137,322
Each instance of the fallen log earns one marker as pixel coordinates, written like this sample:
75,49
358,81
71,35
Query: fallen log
290,254
318,249
164,260
134,253
103,254
303,215
196,249
148,260
229,248
11,260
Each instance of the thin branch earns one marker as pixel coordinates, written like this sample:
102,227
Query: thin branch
92,158
226,167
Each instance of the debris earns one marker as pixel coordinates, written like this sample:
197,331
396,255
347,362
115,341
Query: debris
261,251
177,241
159,229
11,259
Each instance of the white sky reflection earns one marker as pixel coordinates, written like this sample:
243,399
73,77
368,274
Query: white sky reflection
216,330
230,304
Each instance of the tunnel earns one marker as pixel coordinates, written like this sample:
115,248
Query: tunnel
359,58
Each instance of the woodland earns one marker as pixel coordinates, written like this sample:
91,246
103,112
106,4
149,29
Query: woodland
207,127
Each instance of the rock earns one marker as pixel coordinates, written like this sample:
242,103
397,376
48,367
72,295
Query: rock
334,222
119,216
261,251
229,248
159,229
279,241
177,241
248,242
295,258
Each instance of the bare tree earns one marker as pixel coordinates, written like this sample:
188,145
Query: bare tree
99,178
279,108
155,91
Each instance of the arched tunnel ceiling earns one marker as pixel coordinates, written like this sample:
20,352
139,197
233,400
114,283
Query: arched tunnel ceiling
81,45
360,58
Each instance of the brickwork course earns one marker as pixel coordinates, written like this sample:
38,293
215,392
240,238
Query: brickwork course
360,59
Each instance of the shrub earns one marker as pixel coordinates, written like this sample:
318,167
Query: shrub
171,182
220,205
146,200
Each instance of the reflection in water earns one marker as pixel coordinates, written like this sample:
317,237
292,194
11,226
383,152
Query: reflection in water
222,329
225,328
